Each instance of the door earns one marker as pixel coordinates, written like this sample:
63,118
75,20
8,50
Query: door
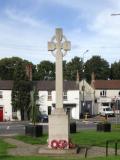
87,107
49,110
1,114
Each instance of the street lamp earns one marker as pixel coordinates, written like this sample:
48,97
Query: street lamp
83,71
115,14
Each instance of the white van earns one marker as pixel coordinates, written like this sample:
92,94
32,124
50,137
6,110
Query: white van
106,110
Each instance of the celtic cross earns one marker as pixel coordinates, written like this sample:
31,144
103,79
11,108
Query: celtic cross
59,47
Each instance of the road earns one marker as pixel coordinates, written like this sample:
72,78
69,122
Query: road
14,128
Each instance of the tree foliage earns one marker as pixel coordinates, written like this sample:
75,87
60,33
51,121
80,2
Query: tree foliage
21,96
46,70
99,66
115,70
7,67
72,67
21,89
34,105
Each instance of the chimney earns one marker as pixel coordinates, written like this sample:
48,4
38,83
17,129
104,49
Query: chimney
92,79
29,71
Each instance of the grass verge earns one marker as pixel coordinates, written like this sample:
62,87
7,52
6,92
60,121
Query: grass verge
95,138
32,140
4,146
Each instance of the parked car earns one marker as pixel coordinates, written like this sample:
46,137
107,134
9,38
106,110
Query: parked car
43,118
106,111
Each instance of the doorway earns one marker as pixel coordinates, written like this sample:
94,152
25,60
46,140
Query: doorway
1,114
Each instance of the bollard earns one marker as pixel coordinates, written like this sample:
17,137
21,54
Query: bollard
86,117
106,148
86,151
115,148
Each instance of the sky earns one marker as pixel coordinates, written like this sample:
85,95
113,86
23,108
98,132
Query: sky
26,26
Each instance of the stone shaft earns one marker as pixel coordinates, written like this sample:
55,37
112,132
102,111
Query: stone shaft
59,81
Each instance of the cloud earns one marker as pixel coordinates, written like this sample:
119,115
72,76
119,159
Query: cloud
18,17
105,24
27,26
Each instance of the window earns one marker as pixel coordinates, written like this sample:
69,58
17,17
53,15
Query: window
65,95
1,94
119,93
14,113
103,93
49,95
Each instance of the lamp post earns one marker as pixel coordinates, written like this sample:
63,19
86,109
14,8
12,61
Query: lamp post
83,71
115,14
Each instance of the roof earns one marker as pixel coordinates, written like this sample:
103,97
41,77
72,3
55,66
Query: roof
50,85
41,85
107,84
6,84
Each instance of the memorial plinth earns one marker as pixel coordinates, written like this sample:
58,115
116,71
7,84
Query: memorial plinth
58,128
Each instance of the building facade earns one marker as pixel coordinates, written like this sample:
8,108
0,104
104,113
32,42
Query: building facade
87,96
71,97
107,91
78,97
47,100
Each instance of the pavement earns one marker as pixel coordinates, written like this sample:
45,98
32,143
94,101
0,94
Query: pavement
24,149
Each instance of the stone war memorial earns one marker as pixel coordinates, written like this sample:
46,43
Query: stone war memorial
59,120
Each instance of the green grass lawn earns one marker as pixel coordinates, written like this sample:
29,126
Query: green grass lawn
95,138
55,158
4,146
32,140
82,138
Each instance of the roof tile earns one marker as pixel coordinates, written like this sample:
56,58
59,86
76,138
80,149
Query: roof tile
107,84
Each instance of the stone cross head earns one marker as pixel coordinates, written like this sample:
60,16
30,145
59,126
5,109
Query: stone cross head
59,43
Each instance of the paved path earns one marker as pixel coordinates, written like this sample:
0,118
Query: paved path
23,149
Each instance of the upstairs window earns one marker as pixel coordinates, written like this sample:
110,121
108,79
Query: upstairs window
1,94
65,95
119,94
49,95
103,93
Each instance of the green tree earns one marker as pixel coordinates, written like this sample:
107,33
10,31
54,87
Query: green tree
21,90
21,97
34,73
20,71
99,66
72,67
34,105
7,67
115,70
46,70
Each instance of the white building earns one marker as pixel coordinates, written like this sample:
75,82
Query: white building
107,91
46,91
5,100
78,97
6,110
70,97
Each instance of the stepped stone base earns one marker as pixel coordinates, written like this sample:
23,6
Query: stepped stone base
58,127
45,150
